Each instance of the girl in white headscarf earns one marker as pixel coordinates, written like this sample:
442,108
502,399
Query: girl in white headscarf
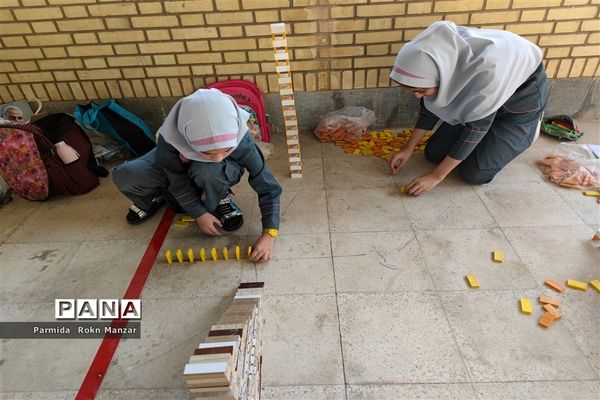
488,87
203,149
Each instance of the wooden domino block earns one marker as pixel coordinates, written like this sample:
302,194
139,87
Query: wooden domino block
595,284
550,308
403,189
576,285
546,320
497,256
554,285
550,300
526,307
472,281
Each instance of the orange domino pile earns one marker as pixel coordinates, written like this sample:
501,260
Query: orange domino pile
374,143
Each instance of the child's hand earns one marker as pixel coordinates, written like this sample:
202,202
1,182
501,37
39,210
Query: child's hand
398,161
208,224
262,249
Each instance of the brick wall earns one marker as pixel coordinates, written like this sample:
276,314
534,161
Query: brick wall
96,49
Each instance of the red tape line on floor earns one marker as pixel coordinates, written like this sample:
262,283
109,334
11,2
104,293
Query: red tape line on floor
95,375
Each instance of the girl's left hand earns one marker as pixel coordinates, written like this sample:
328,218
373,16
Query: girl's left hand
423,184
262,249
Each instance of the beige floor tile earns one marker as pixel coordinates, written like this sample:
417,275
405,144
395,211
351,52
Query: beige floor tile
586,207
397,338
379,262
499,343
540,390
312,174
299,246
438,391
451,255
322,392
303,329
141,394
356,172
45,395
304,212
13,215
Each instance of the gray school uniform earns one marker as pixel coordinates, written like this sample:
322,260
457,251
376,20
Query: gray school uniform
195,186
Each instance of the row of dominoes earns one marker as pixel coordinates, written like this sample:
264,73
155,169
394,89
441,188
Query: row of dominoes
286,92
227,364
190,256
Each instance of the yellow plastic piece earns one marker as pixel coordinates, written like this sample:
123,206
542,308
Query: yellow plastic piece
225,254
591,193
576,285
403,189
249,251
473,282
179,255
187,218
498,256
169,256
213,254
202,254
526,307
595,284
190,254
181,224
237,252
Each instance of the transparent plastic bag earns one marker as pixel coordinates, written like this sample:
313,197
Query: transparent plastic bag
573,165
348,121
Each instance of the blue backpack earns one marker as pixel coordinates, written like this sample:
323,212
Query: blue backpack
115,121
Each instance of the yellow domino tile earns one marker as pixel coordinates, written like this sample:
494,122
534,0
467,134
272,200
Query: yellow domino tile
225,253
472,280
187,218
595,284
202,254
169,256
237,252
213,254
179,255
526,307
498,256
573,284
591,193
190,254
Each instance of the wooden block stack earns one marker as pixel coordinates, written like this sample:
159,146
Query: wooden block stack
226,366
286,92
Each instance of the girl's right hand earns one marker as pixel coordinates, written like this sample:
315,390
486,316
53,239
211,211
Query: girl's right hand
208,224
399,160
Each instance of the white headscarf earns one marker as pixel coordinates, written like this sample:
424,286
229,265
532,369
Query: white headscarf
205,120
475,70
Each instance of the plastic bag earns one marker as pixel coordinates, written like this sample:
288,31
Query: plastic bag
573,165
337,125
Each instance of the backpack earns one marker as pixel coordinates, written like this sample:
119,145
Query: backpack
248,97
115,121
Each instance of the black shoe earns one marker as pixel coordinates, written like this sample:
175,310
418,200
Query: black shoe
230,214
137,215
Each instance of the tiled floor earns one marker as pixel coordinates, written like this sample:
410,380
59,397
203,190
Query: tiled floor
365,298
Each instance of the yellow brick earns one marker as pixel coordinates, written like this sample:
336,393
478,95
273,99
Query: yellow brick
138,88
415,22
457,5
14,41
15,28
419,8
39,13
155,21
113,9
309,65
594,38
199,58
311,82
55,52
150,7
335,77
342,12
52,91
187,6
571,13
77,90
75,12
533,15
378,49
129,61
535,3
227,5
194,33
91,50
95,63
186,86
43,27
199,70
181,70
192,19
60,76
359,79
117,23
85,38
305,27
126,89
130,73
585,51
230,31
531,28
374,37
24,66
229,18
235,57
99,74
49,40
577,68
31,77
65,91
114,89
158,34
60,63
342,51
197,45
164,59
258,30
40,92
370,62
341,39
567,27
5,15
167,47
20,54
590,67
102,90
252,4
163,88
8,67
491,17
266,16
497,4
118,37
56,2
459,19
409,34
372,78
233,44
377,10
342,26
380,23
126,49
558,40
87,24
558,52
574,2
303,14
267,55
591,25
